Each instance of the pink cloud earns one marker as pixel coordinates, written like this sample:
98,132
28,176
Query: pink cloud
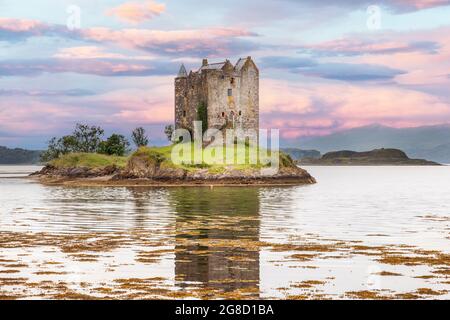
122,109
169,41
308,109
423,68
86,52
360,45
193,42
424,56
20,25
422,4
136,12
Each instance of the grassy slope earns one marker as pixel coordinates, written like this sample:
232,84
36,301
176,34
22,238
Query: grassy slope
89,160
162,155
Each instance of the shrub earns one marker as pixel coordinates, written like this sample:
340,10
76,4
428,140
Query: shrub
116,145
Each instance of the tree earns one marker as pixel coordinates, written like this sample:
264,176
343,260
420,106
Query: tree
116,145
58,147
88,138
139,137
168,130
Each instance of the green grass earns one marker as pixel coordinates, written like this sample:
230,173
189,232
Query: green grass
242,159
163,155
88,160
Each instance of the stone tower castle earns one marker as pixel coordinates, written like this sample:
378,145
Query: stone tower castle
229,93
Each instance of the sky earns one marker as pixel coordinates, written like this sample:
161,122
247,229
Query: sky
325,66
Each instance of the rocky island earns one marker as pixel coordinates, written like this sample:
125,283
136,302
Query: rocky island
368,158
153,167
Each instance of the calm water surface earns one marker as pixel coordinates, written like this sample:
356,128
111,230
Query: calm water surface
339,238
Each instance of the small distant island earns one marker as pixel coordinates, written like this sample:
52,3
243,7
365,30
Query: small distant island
367,158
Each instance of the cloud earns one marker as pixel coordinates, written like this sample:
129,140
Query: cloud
308,109
186,42
13,30
426,71
137,12
411,5
194,42
334,71
351,72
99,67
398,6
119,110
356,47
86,52
284,62
46,93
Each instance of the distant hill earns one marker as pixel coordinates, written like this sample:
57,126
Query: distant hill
374,157
298,154
429,142
19,156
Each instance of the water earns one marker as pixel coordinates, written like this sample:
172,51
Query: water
360,232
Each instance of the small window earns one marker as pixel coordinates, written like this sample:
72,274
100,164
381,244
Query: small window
184,113
240,113
230,92
232,81
223,114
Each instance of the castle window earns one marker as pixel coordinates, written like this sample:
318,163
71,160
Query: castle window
184,113
223,114
232,81
230,92
240,112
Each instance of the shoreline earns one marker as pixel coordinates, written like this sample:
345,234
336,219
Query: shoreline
108,182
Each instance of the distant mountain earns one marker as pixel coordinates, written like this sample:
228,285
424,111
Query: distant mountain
369,158
298,154
19,156
429,142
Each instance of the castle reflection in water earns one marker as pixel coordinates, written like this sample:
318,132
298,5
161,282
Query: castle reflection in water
212,229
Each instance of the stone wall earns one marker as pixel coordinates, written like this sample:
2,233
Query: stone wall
231,96
249,97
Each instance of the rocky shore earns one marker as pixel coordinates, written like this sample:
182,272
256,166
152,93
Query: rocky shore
144,171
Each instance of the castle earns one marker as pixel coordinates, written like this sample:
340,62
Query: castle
220,94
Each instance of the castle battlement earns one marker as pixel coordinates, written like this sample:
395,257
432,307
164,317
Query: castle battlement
230,94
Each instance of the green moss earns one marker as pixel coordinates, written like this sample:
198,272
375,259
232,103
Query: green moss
88,160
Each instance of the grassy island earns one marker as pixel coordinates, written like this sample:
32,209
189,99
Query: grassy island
155,166
162,157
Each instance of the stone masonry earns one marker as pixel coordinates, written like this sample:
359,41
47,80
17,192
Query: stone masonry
230,94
